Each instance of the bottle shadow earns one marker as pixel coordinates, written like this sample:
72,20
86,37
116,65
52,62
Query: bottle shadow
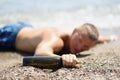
82,55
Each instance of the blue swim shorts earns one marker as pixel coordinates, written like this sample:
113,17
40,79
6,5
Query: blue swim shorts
8,34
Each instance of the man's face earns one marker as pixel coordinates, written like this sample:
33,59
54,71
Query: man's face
80,42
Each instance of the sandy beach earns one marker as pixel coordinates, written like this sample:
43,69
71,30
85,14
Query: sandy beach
102,62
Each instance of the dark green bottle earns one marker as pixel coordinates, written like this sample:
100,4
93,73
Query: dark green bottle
46,62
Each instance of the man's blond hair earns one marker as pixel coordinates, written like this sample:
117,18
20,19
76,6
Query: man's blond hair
91,31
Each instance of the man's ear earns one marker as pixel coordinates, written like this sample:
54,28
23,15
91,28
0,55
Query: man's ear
75,30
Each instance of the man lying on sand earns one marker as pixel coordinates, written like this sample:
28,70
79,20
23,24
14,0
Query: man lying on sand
50,41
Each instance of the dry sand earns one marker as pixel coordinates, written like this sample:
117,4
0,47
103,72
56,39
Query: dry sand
101,62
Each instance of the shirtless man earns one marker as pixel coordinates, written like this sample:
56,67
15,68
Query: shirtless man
49,41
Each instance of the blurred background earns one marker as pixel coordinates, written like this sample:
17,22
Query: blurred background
105,14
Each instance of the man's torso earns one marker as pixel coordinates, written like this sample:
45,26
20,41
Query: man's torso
29,38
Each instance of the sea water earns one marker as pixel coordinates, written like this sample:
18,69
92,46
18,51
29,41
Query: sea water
105,14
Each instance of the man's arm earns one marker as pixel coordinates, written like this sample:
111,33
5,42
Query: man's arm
48,48
67,59
102,39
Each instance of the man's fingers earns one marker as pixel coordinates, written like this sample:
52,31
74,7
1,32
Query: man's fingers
66,60
78,62
70,60
77,66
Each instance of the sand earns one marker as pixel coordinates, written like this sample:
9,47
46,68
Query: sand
102,62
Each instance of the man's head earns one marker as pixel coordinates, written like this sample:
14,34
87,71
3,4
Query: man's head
83,38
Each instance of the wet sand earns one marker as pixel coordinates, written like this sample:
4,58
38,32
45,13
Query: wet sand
102,62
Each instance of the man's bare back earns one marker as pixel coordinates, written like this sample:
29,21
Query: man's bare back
28,38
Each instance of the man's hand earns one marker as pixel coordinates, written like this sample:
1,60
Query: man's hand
114,38
102,39
70,60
